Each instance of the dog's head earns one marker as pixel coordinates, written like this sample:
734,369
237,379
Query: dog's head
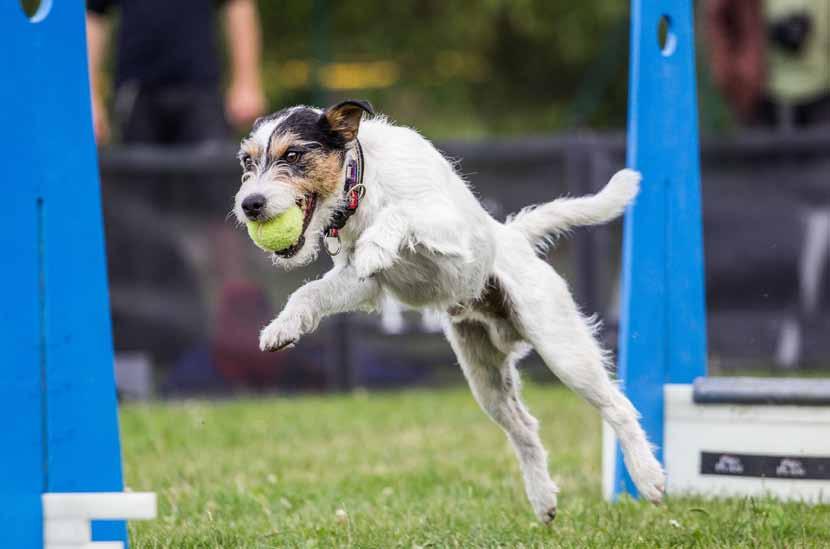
296,156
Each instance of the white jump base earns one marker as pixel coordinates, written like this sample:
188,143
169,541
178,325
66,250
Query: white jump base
67,516
774,444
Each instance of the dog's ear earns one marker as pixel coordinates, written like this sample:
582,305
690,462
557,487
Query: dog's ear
344,117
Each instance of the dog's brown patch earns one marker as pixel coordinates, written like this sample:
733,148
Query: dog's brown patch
321,169
281,143
322,173
344,119
251,148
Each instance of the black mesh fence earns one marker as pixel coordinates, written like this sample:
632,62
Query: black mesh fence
190,293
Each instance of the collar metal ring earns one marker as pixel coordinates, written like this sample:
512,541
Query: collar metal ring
360,189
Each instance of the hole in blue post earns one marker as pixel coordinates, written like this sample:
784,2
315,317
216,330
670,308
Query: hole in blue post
666,39
36,10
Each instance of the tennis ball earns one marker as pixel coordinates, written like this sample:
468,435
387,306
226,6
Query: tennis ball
278,233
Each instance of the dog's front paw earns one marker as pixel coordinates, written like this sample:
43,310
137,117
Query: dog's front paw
282,333
370,259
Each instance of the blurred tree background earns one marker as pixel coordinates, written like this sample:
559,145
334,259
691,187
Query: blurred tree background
455,69
459,68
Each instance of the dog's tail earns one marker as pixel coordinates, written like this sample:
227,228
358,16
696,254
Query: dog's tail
543,223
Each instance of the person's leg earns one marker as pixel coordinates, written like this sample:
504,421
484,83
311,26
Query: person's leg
765,115
138,116
200,116
816,113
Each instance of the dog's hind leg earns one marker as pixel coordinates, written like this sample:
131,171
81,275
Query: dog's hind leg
495,384
548,318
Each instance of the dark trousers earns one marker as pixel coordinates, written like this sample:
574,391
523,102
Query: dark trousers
799,115
171,115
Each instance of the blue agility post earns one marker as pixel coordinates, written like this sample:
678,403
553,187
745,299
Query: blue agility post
662,317
57,394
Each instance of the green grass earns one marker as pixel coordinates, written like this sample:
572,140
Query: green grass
417,468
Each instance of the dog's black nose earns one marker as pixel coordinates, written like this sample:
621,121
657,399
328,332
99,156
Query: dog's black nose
253,205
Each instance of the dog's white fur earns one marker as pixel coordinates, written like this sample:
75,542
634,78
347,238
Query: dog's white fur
421,236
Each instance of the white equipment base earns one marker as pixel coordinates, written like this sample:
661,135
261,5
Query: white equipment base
746,449
726,449
67,516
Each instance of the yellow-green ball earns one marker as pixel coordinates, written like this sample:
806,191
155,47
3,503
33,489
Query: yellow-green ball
278,233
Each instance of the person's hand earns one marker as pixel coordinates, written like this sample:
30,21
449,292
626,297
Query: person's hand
245,102
100,122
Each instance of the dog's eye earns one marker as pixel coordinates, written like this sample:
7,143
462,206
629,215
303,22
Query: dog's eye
292,156
247,163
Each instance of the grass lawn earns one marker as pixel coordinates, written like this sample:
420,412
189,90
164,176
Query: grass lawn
417,468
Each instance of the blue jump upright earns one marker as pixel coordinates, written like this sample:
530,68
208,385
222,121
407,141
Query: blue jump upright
57,395
662,317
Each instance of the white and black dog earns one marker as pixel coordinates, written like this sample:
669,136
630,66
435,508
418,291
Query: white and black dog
408,226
